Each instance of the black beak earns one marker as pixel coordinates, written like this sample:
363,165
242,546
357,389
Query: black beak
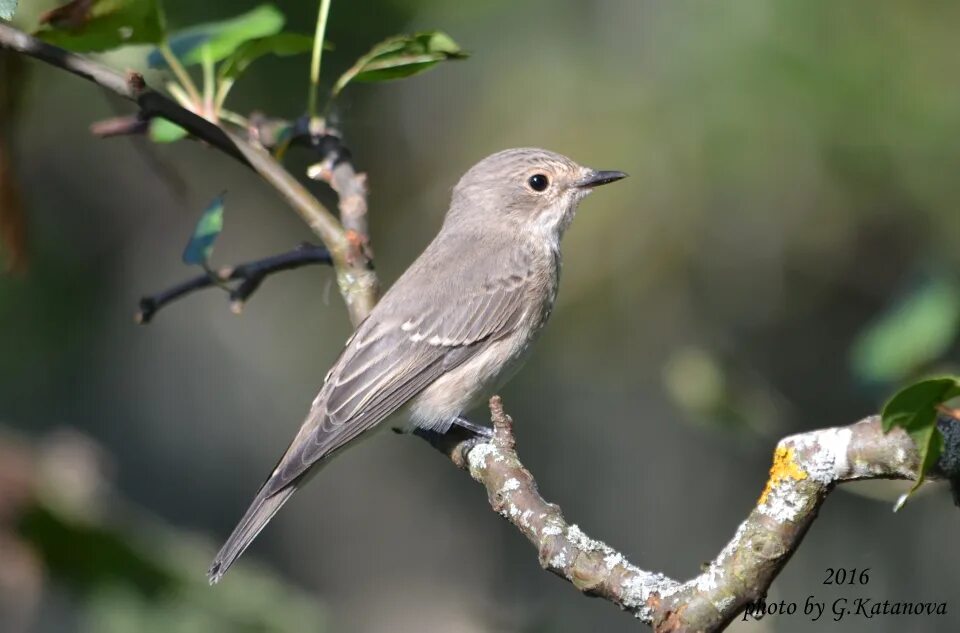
597,178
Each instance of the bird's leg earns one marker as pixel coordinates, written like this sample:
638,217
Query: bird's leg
458,440
476,429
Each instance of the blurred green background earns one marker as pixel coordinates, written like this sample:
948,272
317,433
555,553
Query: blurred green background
783,256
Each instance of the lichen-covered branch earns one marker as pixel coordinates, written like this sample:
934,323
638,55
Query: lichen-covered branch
805,469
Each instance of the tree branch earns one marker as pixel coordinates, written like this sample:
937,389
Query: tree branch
337,170
249,275
806,468
355,276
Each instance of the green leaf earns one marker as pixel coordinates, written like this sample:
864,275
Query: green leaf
8,8
222,37
163,131
401,56
917,330
914,409
200,247
103,24
281,44
88,556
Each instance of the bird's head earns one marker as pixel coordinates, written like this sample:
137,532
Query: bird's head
530,189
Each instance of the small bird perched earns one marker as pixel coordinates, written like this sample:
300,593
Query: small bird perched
452,329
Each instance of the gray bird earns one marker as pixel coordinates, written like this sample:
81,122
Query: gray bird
452,329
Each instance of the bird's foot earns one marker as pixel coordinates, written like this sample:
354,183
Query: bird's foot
482,432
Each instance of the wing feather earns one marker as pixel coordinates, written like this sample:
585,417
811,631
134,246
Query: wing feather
397,352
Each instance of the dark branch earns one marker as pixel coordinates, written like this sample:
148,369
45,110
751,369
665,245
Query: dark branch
247,278
152,103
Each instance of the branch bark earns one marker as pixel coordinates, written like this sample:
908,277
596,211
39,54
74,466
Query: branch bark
806,468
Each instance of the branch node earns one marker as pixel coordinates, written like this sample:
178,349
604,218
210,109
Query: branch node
136,83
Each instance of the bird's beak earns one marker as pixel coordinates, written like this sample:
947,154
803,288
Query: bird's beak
597,178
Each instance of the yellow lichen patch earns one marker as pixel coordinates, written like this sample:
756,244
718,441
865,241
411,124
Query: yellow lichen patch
783,468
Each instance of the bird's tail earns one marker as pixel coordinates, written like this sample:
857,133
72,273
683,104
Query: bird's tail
264,506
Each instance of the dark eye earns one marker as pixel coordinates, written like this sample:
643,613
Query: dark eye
538,182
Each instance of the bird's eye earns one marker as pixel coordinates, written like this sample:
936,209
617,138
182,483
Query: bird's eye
538,182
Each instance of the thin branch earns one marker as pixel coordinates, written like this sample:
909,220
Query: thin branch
110,79
355,277
126,125
337,170
806,468
130,86
248,277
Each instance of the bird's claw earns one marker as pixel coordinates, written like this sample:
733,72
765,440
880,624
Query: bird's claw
482,432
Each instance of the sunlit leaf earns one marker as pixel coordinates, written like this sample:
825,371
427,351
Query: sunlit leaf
200,246
163,131
917,330
915,409
8,8
222,38
281,44
401,56
102,25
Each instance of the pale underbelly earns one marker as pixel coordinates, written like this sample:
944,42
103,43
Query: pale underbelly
467,386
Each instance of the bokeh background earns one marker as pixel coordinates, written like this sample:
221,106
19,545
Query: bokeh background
783,256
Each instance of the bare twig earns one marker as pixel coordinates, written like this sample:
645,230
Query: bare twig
120,126
337,171
248,276
806,468
356,279
355,276
334,167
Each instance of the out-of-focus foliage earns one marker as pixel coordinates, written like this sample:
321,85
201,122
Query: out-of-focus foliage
401,56
917,329
8,8
915,409
129,571
163,131
100,25
200,246
218,40
714,392
280,44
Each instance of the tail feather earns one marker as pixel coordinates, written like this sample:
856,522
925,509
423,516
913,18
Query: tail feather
259,513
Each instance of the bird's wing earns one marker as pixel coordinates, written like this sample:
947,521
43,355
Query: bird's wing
395,354
410,339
